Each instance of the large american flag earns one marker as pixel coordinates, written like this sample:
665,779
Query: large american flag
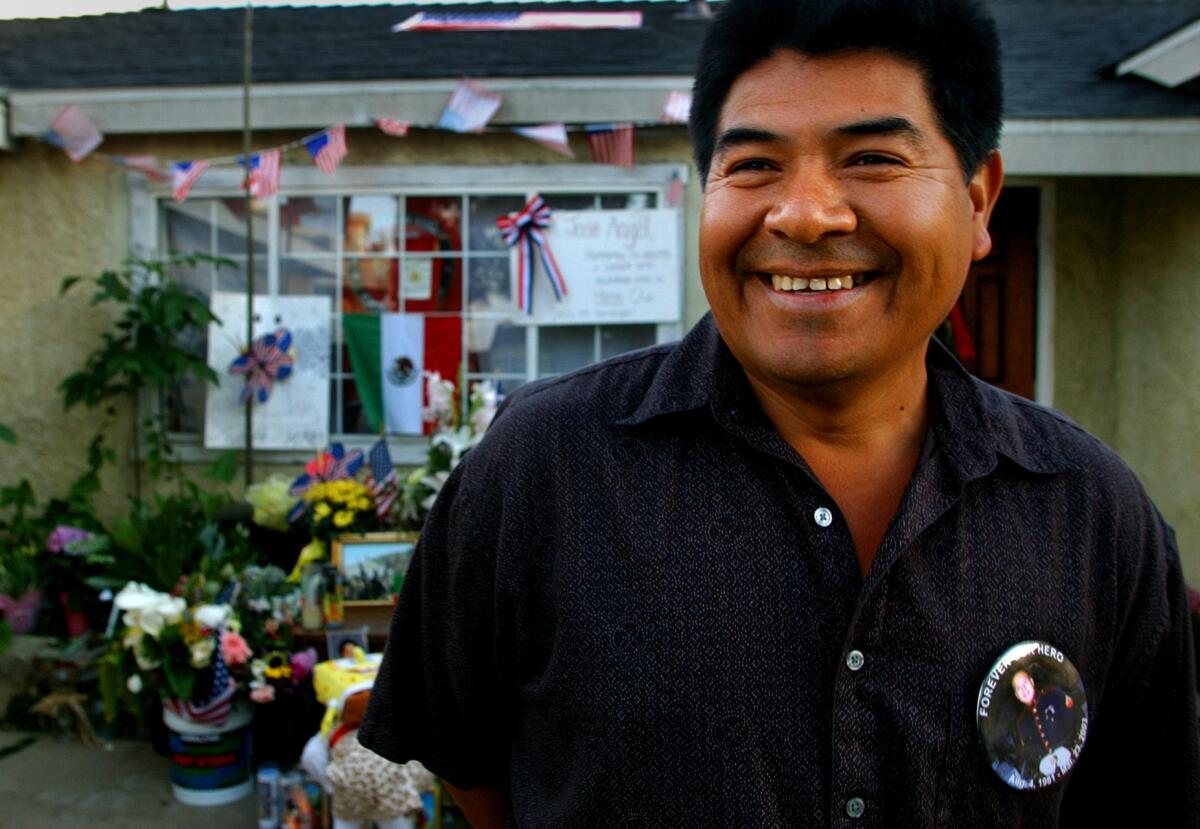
183,175
511,21
328,149
611,143
382,479
215,709
264,174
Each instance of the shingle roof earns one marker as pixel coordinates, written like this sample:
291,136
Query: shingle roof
1057,53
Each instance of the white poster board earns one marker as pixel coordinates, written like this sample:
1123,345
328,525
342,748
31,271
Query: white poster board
296,416
620,266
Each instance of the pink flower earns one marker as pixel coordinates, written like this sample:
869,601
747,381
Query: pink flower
302,663
234,649
63,535
262,693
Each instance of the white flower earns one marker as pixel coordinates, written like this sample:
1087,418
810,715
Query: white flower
458,441
484,400
143,659
441,399
202,651
259,605
212,616
134,684
258,669
148,609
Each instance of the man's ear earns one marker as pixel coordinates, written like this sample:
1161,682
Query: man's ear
983,189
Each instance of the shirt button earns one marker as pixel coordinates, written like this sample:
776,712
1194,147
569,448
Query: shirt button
855,807
823,517
854,660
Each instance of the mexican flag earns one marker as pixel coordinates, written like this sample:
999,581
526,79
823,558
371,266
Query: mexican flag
389,354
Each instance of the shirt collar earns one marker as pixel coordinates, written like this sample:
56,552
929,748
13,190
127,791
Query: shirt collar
974,424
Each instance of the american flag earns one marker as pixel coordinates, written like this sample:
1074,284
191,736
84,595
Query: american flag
147,165
470,107
393,126
75,133
675,191
264,174
328,149
677,107
611,143
510,21
382,479
552,136
215,709
265,361
183,175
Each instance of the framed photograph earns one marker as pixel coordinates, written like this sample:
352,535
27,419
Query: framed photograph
338,642
373,565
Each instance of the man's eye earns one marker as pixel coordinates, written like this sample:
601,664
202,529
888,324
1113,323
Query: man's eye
874,158
749,165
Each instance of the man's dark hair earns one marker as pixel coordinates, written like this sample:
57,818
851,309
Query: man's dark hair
953,42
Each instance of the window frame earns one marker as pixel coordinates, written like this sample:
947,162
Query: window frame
392,181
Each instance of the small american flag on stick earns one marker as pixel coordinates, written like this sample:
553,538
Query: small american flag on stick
382,479
216,708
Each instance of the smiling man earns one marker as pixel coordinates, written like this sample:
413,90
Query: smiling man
774,575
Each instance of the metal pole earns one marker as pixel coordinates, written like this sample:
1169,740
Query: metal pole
247,68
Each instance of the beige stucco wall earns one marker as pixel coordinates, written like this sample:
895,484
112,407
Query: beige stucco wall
1127,332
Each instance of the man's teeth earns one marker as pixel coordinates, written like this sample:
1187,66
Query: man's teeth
798,283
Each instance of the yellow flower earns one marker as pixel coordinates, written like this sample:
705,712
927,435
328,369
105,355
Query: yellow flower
341,518
278,666
360,503
321,510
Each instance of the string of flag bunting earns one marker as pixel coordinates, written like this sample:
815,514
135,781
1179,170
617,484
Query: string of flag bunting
469,109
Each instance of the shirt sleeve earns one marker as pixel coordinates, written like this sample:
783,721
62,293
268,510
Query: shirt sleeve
441,696
1145,752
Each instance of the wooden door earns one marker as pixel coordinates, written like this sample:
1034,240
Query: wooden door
999,300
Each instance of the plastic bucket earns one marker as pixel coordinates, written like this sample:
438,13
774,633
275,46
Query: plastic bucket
210,765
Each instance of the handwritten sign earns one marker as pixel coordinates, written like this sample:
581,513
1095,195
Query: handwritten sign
621,266
296,416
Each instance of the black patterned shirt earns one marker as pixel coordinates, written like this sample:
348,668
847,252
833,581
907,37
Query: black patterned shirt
636,606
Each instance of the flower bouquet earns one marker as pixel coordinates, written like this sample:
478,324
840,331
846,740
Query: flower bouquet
455,434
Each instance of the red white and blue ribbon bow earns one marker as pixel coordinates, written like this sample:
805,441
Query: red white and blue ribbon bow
524,229
267,360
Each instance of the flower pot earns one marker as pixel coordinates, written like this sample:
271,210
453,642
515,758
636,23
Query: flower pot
210,765
22,613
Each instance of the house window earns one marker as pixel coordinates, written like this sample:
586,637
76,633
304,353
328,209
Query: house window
437,254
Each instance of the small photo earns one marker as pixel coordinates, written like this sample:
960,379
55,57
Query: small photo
340,643
373,565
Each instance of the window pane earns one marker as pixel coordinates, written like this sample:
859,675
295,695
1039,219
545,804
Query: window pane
186,227
307,224
565,348
231,227
184,405
308,277
431,284
370,285
433,224
197,280
490,286
617,339
233,278
495,346
370,224
627,201
570,201
484,212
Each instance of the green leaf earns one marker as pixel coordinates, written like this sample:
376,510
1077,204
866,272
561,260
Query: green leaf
7,435
67,284
224,467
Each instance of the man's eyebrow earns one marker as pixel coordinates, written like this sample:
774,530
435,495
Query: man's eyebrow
893,125
736,136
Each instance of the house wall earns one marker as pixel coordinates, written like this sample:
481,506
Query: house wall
1127,332
63,219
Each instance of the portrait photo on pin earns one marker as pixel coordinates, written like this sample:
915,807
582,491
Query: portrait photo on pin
1032,715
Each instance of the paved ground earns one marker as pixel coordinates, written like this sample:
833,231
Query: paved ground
56,783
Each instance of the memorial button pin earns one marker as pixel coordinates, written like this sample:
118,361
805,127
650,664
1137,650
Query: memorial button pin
1032,715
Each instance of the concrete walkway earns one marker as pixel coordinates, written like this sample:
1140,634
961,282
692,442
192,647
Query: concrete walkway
57,783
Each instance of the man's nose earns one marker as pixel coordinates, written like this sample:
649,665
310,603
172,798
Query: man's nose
813,204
